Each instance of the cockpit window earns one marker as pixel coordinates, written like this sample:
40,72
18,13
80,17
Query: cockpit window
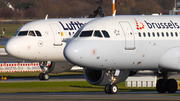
22,33
38,33
105,33
31,33
97,34
86,34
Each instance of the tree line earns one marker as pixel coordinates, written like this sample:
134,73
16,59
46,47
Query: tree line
37,9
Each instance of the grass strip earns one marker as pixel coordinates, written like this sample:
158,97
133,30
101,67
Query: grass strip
175,95
60,86
10,29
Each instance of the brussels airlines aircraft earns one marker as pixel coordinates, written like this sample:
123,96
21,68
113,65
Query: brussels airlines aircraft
44,40
112,47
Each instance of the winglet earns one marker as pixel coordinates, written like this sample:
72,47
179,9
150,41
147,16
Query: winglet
113,8
114,14
46,17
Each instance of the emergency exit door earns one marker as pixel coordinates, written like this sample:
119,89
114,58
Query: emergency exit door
129,35
57,34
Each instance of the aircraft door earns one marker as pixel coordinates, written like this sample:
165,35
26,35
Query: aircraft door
57,34
129,35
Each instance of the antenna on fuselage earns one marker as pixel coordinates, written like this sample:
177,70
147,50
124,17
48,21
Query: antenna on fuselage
113,8
46,17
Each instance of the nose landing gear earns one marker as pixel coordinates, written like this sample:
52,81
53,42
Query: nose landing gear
43,76
112,88
45,66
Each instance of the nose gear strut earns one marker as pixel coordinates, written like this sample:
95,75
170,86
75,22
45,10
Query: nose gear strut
112,88
45,66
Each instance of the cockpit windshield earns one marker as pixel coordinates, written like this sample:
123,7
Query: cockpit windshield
91,33
86,34
28,33
38,33
22,33
97,34
105,33
31,33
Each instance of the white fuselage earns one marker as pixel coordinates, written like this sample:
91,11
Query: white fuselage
49,45
135,42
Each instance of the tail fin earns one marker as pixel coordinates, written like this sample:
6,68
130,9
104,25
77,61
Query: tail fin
114,14
46,17
113,8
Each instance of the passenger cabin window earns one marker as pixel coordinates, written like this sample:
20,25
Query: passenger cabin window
144,34
176,34
38,33
167,34
97,34
158,34
162,34
139,34
149,34
86,34
172,34
31,33
153,34
105,33
22,33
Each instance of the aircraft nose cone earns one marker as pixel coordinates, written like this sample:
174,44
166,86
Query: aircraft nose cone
11,48
73,52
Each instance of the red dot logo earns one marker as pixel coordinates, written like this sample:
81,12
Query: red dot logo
139,27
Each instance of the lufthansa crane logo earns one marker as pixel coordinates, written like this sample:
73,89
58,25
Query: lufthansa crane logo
139,26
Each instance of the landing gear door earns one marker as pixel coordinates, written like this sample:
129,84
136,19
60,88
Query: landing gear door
129,35
56,34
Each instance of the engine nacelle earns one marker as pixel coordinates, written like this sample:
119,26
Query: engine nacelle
132,73
100,78
170,59
56,67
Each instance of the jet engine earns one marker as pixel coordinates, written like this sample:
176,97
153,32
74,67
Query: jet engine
100,77
132,73
55,67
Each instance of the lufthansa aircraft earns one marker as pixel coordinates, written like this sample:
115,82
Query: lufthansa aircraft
44,40
111,48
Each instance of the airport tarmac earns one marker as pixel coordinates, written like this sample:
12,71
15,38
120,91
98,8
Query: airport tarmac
57,78
7,58
69,78
3,41
87,96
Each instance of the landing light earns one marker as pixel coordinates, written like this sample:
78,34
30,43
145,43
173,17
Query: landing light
114,79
